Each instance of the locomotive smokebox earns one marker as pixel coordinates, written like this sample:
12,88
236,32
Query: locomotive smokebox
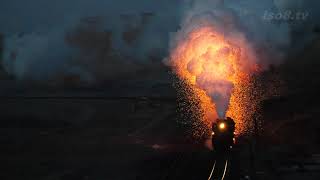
223,134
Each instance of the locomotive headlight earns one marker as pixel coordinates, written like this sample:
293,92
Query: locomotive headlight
222,126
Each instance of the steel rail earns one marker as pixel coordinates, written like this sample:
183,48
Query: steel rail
214,168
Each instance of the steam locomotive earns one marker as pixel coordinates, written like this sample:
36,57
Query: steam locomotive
223,134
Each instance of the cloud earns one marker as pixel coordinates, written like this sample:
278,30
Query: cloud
37,46
35,32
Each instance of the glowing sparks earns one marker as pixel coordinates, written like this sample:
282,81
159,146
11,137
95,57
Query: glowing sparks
218,69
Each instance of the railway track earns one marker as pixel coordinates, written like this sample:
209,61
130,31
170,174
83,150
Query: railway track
218,172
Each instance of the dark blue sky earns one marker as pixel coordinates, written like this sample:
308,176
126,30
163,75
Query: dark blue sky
17,15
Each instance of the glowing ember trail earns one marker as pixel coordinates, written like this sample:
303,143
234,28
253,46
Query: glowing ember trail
218,68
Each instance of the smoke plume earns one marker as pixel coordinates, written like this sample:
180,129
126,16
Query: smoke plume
37,44
220,41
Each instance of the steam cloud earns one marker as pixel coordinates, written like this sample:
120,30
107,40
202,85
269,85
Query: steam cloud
219,91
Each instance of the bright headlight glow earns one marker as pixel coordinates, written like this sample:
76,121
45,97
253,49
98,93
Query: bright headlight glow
222,125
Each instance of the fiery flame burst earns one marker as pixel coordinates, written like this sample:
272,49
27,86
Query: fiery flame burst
218,68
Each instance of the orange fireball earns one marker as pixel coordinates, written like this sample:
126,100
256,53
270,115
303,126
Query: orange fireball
217,68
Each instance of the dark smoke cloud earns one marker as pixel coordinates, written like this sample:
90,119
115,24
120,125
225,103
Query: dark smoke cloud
91,39
37,33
